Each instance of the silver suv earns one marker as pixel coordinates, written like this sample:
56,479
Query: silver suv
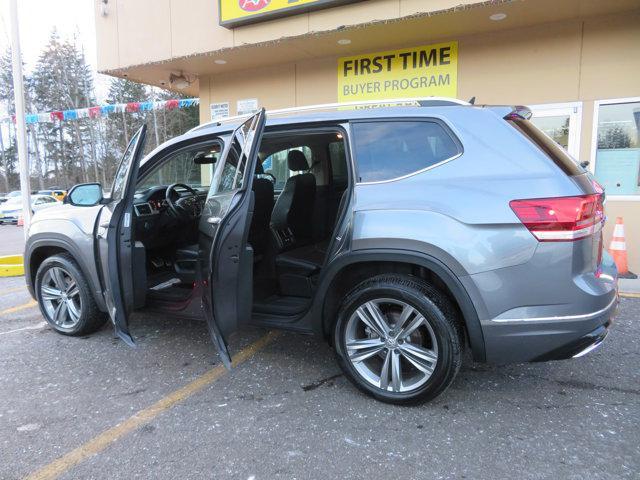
402,235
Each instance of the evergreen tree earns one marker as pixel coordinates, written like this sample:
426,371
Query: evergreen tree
69,151
162,125
120,127
8,157
62,80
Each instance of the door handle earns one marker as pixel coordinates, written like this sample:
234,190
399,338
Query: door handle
104,225
214,220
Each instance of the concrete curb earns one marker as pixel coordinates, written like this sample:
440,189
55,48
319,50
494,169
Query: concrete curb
11,266
629,287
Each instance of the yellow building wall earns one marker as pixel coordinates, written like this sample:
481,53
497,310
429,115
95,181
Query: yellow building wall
579,60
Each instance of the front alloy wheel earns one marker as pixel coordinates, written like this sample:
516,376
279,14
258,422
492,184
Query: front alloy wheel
65,298
61,298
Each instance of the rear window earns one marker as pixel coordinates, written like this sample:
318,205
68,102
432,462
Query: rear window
554,151
392,149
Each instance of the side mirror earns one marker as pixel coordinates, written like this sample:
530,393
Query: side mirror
85,195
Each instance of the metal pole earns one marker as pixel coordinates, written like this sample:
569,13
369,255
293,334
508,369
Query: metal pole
155,119
21,131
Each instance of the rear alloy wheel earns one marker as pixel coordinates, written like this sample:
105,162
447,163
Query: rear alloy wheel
398,339
64,297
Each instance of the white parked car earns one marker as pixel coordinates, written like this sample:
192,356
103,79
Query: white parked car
12,208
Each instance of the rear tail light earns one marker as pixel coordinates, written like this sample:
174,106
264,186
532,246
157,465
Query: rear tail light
562,218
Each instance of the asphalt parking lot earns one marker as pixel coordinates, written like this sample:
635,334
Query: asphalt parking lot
92,407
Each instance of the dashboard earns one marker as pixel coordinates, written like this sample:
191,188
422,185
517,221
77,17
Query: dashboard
151,201
154,226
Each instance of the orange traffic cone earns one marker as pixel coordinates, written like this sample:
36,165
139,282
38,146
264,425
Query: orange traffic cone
20,220
618,249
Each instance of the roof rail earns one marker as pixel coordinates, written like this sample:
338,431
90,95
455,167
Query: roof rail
392,102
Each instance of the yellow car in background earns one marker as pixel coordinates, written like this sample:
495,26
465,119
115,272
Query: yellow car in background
57,194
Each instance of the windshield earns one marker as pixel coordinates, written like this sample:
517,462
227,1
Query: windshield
191,166
14,201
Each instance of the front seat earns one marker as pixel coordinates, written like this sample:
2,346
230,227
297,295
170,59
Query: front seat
263,206
291,220
187,256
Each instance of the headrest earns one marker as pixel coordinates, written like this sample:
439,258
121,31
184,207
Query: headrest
296,161
259,168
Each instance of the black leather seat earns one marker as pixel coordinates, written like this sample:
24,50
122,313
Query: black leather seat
259,229
305,260
291,220
185,263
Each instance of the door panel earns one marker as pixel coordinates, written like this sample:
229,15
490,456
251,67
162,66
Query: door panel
114,235
226,256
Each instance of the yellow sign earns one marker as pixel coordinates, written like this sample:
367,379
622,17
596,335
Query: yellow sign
430,70
239,12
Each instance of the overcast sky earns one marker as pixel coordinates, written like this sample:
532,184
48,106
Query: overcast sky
37,19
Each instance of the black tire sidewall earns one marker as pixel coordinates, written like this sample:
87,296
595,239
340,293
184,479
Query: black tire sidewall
444,332
86,299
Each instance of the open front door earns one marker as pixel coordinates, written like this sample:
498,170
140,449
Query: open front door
115,238
227,258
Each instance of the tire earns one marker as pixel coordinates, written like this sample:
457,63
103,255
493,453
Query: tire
81,319
426,351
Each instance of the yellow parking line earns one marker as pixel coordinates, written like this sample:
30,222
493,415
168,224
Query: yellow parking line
24,306
630,295
106,438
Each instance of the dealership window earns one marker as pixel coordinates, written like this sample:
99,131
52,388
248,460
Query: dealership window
617,146
561,122
387,150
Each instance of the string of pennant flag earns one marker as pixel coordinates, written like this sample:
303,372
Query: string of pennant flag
99,111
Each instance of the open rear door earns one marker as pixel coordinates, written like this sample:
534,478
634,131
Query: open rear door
227,258
114,238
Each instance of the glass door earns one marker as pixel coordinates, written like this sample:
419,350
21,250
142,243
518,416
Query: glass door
561,122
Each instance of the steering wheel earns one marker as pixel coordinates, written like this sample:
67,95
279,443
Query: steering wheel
183,207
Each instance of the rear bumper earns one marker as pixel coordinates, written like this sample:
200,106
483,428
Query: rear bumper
579,347
547,338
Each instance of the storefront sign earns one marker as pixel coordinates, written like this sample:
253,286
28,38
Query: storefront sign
430,70
247,106
219,110
240,12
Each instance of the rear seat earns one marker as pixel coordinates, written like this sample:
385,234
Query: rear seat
306,260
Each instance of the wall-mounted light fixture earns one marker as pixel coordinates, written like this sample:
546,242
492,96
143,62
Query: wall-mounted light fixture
179,81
